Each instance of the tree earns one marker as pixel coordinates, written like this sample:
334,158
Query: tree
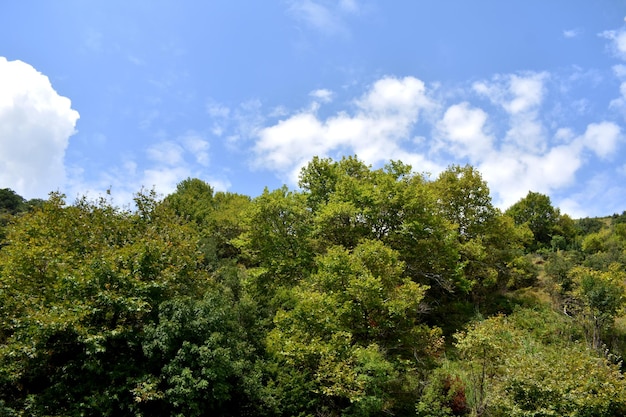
10,201
490,246
527,364
463,198
10,204
202,359
536,210
193,200
353,330
219,217
275,244
78,285
597,299
351,202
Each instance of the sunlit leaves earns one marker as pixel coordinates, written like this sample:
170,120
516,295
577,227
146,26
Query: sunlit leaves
511,371
353,324
78,284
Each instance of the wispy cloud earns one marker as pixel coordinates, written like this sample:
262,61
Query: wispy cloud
618,41
327,17
323,95
162,166
571,33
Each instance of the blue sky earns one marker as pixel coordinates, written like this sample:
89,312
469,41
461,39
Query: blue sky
122,95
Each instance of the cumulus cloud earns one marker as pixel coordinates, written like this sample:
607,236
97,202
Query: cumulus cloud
382,118
35,126
514,143
513,171
515,93
463,131
602,138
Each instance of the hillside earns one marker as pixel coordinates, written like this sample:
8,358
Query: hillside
367,292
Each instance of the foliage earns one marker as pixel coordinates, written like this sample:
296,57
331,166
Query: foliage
517,370
354,329
537,212
10,201
200,357
597,299
78,285
367,292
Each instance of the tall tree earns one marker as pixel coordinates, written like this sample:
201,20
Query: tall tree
537,211
354,331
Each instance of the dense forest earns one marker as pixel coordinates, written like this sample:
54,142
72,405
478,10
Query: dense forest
366,292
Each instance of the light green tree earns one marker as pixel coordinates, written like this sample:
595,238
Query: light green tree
354,329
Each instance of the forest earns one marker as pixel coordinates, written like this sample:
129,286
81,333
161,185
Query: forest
365,292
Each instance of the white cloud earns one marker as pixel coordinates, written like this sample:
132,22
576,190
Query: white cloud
618,44
619,104
383,118
35,126
215,109
169,162
602,138
521,97
571,33
323,95
195,144
164,179
462,130
515,93
620,70
527,92
510,140
511,173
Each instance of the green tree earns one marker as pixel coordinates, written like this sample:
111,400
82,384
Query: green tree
536,210
463,198
78,284
193,200
275,244
201,359
597,299
351,202
528,365
219,217
354,332
11,202
490,246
